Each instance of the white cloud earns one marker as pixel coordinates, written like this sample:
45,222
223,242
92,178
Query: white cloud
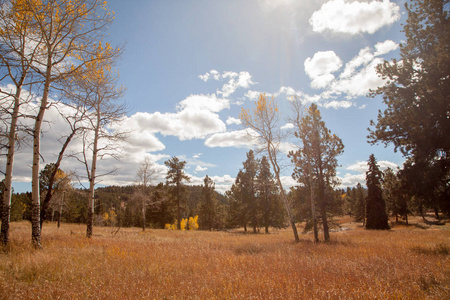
361,82
362,167
338,104
241,80
351,180
252,95
358,77
322,63
213,73
204,102
200,169
286,147
363,58
385,47
189,123
238,139
287,126
234,81
232,120
197,155
354,17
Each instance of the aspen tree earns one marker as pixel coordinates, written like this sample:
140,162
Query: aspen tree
63,32
95,87
17,54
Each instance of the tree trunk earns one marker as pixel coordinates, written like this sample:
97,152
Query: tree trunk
6,213
60,211
326,232
287,207
143,215
322,200
90,219
313,208
35,194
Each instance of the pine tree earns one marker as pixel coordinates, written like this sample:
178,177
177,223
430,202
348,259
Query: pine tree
175,177
376,207
316,161
269,204
416,120
208,205
360,209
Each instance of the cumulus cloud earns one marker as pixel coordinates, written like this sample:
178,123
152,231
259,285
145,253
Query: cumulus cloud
385,47
241,80
356,79
234,81
338,104
237,138
55,129
320,68
361,166
196,118
322,63
200,169
232,120
354,17
204,102
222,183
287,126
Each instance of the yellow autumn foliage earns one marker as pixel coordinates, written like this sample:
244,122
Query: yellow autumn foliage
189,224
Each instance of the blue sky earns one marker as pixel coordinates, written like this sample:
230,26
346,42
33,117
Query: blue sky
189,67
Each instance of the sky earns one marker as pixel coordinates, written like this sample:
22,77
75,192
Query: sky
190,66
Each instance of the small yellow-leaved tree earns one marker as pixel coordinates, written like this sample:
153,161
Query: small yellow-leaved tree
186,224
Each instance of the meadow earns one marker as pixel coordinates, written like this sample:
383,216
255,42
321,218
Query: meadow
407,262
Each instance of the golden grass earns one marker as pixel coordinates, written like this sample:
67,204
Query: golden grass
403,263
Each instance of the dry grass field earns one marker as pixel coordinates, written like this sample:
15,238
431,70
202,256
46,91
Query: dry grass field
403,263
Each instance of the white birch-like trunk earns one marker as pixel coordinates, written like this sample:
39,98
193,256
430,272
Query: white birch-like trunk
6,212
91,206
35,195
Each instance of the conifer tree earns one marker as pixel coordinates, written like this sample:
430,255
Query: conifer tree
360,209
208,205
376,207
270,210
175,177
316,161
416,93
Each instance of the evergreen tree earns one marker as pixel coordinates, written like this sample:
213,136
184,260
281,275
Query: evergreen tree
175,177
236,213
267,197
316,162
360,209
416,120
376,207
208,205
251,205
